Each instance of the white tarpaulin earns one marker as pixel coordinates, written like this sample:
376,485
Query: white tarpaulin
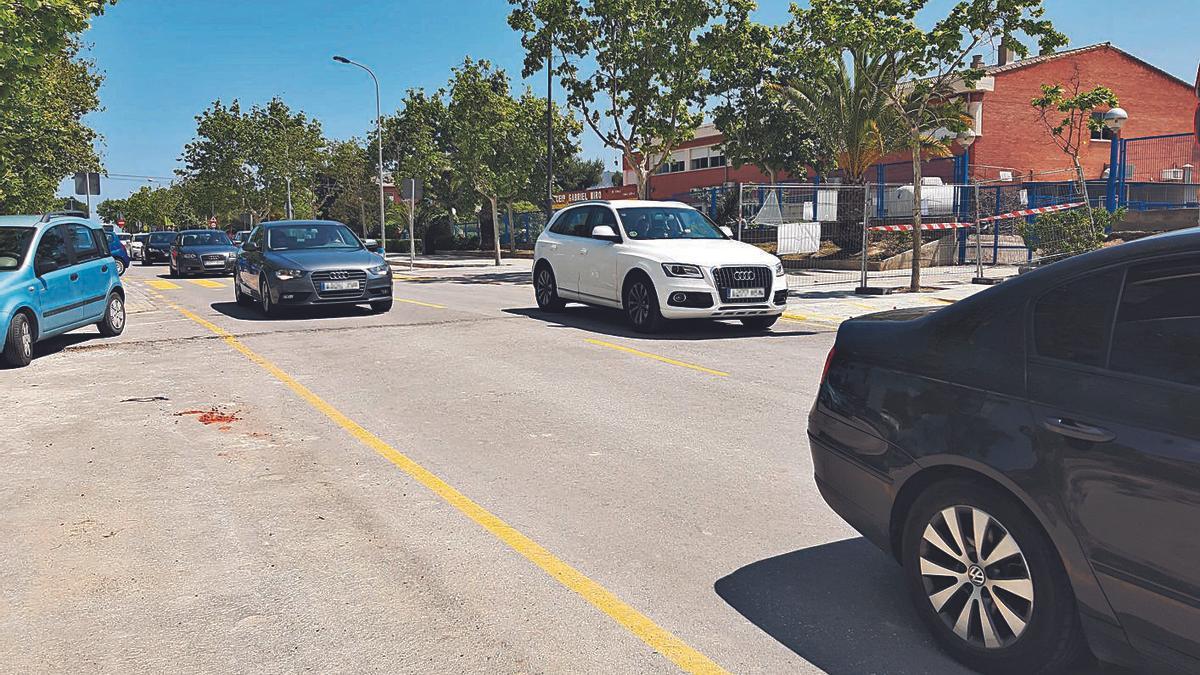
770,213
798,238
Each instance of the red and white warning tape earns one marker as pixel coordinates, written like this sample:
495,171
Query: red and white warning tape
924,226
1032,212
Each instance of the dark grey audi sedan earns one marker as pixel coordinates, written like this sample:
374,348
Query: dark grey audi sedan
293,263
1031,457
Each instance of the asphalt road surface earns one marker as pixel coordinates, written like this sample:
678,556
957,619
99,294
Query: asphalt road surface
462,484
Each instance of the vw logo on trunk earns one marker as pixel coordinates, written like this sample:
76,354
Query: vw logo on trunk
743,275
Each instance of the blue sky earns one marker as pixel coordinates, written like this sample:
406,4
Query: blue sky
166,60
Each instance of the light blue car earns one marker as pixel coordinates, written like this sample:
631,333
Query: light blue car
56,274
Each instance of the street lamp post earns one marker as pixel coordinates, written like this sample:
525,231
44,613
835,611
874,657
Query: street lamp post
1114,119
379,132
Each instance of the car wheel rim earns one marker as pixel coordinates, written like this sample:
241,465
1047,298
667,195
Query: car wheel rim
116,313
639,304
26,340
545,288
266,296
976,577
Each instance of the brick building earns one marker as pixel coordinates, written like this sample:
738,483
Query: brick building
1011,139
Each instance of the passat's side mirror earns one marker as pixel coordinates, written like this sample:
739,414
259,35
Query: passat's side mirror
605,233
726,231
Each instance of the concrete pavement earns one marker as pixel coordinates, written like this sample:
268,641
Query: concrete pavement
272,539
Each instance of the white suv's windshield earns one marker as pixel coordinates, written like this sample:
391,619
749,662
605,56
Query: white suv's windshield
667,222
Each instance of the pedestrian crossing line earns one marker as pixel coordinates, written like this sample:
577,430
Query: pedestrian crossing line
163,285
208,283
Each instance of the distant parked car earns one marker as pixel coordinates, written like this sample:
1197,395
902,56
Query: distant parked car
56,275
157,247
293,263
240,237
202,252
655,261
137,245
118,252
1031,456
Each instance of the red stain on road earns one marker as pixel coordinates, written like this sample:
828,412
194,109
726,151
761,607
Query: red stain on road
212,416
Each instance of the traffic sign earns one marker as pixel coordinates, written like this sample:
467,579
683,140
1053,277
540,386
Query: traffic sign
212,222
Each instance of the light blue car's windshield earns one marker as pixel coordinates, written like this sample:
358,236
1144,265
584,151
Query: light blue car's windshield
14,245
657,222
299,237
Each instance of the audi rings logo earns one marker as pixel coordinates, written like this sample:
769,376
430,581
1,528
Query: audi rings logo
743,275
339,275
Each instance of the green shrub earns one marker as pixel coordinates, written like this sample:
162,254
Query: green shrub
1068,233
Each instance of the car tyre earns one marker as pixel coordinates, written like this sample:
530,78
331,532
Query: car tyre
120,268
264,291
381,307
641,305
545,289
145,261
113,323
241,298
1001,607
18,344
759,322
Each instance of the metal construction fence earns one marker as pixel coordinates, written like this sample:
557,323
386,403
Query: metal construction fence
862,234
1157,173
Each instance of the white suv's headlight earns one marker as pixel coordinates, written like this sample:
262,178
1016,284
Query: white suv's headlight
779,269
285,275
380,270
682,270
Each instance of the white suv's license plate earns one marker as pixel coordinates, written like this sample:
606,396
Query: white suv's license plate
340,286
742,293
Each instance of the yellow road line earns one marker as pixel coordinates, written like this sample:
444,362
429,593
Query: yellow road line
418,302
207,283
656,357
948,302
655,636
812,318
162,285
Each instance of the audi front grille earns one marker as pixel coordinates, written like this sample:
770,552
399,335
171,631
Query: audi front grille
743,277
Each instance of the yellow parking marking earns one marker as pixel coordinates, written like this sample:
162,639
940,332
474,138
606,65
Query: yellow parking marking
811,318
656,357
655,636
163,285
418,302
948,302
208,283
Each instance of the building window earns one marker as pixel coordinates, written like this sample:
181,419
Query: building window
716,161
672,167
1104,134
699,163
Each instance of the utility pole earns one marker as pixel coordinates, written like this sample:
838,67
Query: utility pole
549,128
379,131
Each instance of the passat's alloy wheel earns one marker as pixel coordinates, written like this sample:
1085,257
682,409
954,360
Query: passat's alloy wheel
976,577
988,582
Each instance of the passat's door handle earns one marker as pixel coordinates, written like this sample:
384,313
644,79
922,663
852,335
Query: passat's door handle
1073,429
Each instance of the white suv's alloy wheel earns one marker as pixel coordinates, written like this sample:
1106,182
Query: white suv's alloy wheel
639,303
976,577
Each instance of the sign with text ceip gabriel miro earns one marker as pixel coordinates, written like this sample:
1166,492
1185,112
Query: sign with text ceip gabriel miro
621,192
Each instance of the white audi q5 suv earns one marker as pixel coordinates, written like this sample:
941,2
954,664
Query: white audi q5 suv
655,261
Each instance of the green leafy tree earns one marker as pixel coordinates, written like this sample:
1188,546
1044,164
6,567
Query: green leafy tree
217,162
928,65
482,123
284,147
1062,234
576,173
112,210
35,33
637,71
42,135
1067,116
345,189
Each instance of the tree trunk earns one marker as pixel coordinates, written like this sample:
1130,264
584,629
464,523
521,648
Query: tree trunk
771,175
1087,203
512,230
643,182
495,229
915,282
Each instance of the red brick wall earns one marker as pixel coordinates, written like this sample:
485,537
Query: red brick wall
1015,138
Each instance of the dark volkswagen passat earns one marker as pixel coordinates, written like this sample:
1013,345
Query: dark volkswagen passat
318,262
202,252
1031,456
